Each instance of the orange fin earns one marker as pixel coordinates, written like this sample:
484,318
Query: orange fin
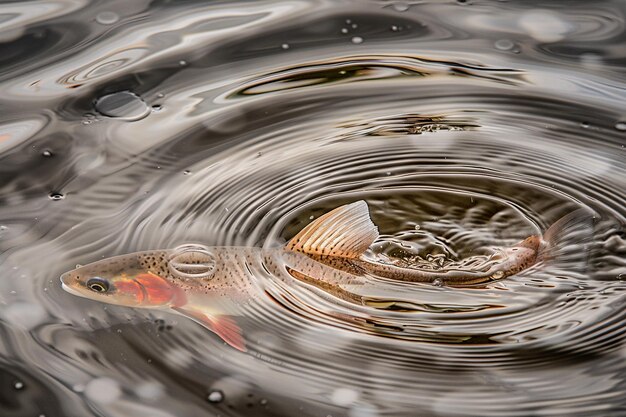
346,231
223,326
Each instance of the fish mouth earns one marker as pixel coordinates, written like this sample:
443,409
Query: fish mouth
69,289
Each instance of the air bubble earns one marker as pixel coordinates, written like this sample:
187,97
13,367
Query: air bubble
620,126
437,282
344,397
357,40
215,397
107,18
344,30
47,153
504,44
157,108
18,385
285,46
182,63
401,6
103,390
56,196
186,172
498,275
124,105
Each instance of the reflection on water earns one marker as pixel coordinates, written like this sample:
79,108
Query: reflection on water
129,126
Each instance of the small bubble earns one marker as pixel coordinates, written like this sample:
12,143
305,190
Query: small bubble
344,30
215,396
401,6
585,125
354,26
497,275
47,153
107,18
182,63
186,172
157,108
160,95
56,196
437,282
357,40
620,126
125,105
462,1
18,385
348,21
388,173
504,44
344,397
103,390
394,28
311,217
263,401
621,277
285,46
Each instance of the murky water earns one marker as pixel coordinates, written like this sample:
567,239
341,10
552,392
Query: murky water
138,125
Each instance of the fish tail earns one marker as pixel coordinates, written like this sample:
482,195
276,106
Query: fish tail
568,237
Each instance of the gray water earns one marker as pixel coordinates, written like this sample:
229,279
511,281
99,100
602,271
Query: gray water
129,126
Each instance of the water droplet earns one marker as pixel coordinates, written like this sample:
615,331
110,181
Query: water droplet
285,46
504,44
401,6
56,196
497,275
621,126
343,397
103,390
18,385
123,105
47,153
107,18
357,40
215,396
437,282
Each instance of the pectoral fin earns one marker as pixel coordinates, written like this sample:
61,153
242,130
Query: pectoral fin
222,325
346,231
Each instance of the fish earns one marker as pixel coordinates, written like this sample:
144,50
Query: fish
209,284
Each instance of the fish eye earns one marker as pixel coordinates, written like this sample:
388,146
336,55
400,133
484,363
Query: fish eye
98,284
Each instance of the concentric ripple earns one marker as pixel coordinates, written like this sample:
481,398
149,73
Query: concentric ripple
464,125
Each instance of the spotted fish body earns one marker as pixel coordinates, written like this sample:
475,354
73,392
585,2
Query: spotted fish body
209,285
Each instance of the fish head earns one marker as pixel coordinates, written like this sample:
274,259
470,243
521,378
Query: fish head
135,280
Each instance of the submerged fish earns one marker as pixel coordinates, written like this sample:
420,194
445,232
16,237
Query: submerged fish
208,284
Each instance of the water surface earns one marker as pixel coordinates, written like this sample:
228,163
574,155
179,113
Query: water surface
129,126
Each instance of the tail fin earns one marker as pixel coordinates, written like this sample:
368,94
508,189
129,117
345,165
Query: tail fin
568,238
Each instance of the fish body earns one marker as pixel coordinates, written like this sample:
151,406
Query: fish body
209,284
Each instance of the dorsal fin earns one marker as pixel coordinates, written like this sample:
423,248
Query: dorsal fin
346,231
